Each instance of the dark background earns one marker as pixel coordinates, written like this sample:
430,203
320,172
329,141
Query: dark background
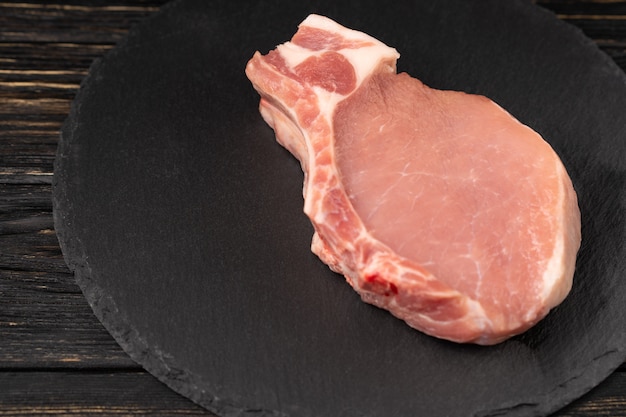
55,357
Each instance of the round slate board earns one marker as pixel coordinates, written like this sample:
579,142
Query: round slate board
182,218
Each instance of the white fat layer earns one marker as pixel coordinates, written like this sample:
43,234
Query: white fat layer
365,60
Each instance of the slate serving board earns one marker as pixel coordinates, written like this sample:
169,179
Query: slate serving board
182,218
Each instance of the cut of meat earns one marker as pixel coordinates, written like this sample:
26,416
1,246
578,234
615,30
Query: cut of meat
438,206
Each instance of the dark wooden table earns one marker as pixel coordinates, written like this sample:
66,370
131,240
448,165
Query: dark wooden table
55,357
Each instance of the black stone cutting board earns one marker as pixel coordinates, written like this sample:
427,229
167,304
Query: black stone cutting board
182,218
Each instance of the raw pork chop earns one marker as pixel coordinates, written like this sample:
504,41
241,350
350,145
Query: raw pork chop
438,206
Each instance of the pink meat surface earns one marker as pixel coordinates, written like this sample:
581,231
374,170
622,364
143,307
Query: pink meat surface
438,206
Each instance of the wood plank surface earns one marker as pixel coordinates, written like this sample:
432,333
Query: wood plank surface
55,357
126,392
45,322
101,393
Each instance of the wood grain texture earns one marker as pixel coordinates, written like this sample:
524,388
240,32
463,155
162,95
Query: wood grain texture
45,322
602,21
55,357
101,393
128,392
